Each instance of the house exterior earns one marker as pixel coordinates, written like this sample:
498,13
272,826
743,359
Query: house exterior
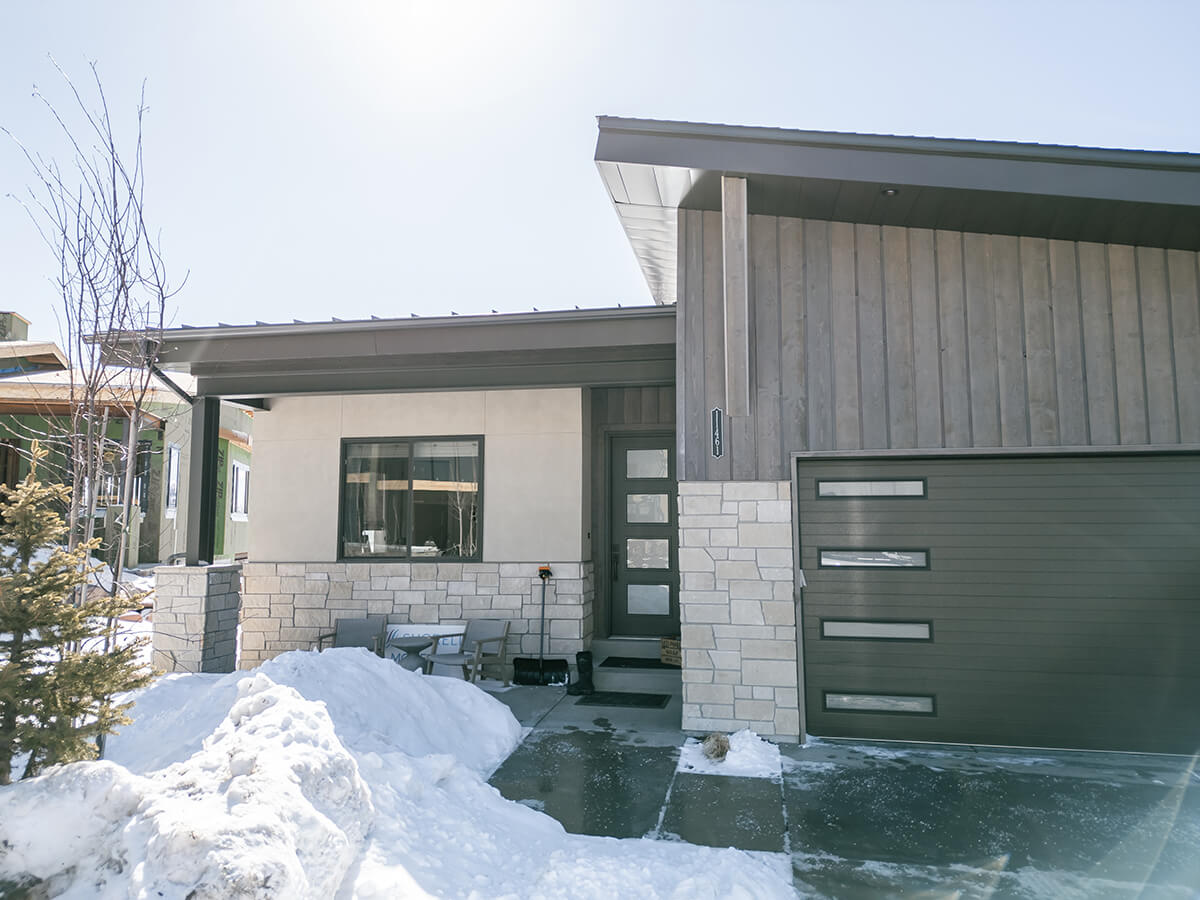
908,448
35,404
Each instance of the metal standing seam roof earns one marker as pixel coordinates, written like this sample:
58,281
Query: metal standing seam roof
633,345
654,168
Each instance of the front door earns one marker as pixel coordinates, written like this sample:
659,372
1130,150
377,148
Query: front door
643,536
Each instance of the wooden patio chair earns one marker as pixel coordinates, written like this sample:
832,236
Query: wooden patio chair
369,633
484,643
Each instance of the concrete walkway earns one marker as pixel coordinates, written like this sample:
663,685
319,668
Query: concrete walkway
874,820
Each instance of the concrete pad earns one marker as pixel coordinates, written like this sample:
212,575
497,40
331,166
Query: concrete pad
721,811
591,781
871,820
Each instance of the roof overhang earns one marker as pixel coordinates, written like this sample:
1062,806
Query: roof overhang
541,349
652,168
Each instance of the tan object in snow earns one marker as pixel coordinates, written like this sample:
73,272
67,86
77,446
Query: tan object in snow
715,746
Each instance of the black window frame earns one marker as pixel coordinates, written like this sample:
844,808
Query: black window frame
410,440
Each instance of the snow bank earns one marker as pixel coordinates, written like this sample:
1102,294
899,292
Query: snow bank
749,757
327,775
272,806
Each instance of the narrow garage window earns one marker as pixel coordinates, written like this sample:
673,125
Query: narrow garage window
873,559
913,487
903,704
862,629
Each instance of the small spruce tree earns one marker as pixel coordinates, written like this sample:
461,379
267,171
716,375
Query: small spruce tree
57,682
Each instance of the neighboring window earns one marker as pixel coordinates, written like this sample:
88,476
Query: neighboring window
172,480
874,559
141,478
411,498
904,704
239,490
882,488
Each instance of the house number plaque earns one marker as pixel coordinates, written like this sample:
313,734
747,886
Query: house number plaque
718,434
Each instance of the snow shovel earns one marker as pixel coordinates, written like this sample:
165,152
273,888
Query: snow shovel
541,670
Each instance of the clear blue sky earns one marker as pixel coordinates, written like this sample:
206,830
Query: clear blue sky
317,159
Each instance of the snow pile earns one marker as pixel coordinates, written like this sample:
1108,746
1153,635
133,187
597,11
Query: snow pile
749,757
327,775
273,805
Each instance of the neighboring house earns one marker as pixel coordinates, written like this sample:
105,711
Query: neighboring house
915,455
35,404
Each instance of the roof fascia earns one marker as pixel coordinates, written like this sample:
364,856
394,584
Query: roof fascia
1132,175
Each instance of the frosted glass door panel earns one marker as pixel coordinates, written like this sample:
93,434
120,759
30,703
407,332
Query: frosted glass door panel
649,599
646,508
646,464
647,554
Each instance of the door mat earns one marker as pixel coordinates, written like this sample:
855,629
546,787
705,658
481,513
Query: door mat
623,698
635,662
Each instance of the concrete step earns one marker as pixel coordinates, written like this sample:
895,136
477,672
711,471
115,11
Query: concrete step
643,648
648,681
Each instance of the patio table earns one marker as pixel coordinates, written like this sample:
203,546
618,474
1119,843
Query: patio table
412,647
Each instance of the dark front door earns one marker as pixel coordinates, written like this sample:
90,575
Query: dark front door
643,534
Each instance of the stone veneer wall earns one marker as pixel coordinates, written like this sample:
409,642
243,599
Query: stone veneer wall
737,607
285,606
196,618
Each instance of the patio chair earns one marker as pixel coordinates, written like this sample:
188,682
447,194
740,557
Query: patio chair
369,632
484,643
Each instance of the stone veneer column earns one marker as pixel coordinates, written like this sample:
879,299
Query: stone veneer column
196,617
737,608
286,605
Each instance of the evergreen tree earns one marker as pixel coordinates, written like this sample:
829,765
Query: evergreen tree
57,683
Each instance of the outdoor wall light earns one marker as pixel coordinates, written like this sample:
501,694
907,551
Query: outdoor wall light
889,191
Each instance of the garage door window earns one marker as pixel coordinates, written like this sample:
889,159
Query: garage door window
874,559
902,704
862,629
909,488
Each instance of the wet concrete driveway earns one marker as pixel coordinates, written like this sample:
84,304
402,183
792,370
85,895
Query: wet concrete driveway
873,820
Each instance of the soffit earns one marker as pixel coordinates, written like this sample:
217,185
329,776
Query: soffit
652,169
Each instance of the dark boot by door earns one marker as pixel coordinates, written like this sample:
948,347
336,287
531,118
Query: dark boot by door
583,683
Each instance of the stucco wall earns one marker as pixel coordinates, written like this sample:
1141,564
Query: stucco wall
532,479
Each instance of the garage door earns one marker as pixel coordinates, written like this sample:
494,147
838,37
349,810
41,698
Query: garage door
1030,601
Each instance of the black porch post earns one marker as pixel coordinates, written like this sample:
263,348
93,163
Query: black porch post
202,481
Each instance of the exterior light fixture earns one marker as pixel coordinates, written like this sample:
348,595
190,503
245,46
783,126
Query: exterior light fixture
889,191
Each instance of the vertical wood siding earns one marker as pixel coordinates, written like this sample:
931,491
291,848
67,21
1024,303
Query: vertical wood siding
868,337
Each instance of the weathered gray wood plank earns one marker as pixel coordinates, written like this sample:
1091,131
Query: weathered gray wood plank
872,348
1127,345
927,355
844,329
1099,366
666,404
981,341
714,342
1010,341
649,412
818,330
1185,325
764,257
1158,352
1068,344
692,386
735,240
793,384
952,326
633,406
897,304
1039,342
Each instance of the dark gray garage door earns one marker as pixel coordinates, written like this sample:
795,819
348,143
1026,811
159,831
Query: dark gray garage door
1045,601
